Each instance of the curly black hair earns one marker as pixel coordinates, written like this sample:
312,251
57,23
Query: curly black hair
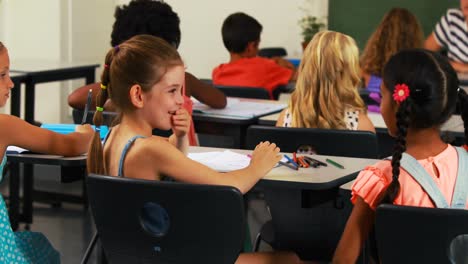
146,17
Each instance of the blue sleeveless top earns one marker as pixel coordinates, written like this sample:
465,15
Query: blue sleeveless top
124,153
22,247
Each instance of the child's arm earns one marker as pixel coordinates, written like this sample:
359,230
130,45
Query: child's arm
355,234
169,161
203,92
19,133
365,123
180,128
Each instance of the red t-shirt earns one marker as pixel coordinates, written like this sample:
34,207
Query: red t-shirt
252,72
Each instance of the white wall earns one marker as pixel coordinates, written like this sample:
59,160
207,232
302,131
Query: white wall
80,30
202,47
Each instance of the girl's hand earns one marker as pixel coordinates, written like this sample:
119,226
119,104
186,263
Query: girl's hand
180,123
264,157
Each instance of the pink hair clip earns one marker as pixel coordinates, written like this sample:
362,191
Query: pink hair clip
401,92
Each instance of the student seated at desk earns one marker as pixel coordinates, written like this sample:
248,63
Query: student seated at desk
419,92
151,98
398,30
158,19
30,247
451,33
241,37
326,94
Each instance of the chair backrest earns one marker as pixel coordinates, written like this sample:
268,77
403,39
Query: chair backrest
347,143
272,52
408,234
140,221
244,92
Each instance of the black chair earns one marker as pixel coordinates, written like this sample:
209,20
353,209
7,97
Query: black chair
272,52
309,222
244,92
408,234
347,143
140,221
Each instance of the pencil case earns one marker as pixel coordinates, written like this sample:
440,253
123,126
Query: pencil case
70,128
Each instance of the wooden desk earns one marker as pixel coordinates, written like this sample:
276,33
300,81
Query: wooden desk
229,125
71,168
47,71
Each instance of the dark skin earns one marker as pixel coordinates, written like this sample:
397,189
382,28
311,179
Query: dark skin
203,92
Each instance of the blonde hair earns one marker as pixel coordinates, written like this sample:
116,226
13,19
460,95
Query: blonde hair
327,82
398,30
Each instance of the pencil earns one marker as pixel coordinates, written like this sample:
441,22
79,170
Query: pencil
290,160
88,104
334,163
288,165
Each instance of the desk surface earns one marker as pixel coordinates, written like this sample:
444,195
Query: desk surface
47,159
454,124
224,116
312,178
34,66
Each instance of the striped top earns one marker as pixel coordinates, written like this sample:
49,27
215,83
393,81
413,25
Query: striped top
452,33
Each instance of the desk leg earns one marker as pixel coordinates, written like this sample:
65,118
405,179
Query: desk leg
29,102
14,195
16,100
28,183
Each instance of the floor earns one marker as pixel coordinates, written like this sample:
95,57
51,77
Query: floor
69,227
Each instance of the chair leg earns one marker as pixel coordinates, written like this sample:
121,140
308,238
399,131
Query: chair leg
90,248
258,239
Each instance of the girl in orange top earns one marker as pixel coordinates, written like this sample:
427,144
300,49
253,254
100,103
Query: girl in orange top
419,93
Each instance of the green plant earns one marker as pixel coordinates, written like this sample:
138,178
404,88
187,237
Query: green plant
310,25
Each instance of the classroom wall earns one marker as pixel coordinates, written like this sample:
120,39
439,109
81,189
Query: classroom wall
80,30
202,48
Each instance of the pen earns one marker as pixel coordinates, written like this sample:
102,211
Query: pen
302,162
334,163
288,165
291,161
88,104
318,162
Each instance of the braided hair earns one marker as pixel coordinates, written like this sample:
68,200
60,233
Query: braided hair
433,85
463,102
142,60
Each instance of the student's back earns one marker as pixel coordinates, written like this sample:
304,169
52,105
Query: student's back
241,37
326,93
398,30
419,92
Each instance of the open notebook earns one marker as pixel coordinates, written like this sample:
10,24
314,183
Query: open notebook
240,108
222,161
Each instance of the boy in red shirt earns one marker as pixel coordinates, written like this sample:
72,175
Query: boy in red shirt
241,37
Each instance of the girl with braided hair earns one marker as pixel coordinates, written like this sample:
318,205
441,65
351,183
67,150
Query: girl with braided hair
419,94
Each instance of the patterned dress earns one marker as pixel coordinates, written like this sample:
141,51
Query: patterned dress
351,119
22,247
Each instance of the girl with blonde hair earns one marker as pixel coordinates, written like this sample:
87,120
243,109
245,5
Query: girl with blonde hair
326,94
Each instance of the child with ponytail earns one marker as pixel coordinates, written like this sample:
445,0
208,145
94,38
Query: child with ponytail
143,77
419,93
